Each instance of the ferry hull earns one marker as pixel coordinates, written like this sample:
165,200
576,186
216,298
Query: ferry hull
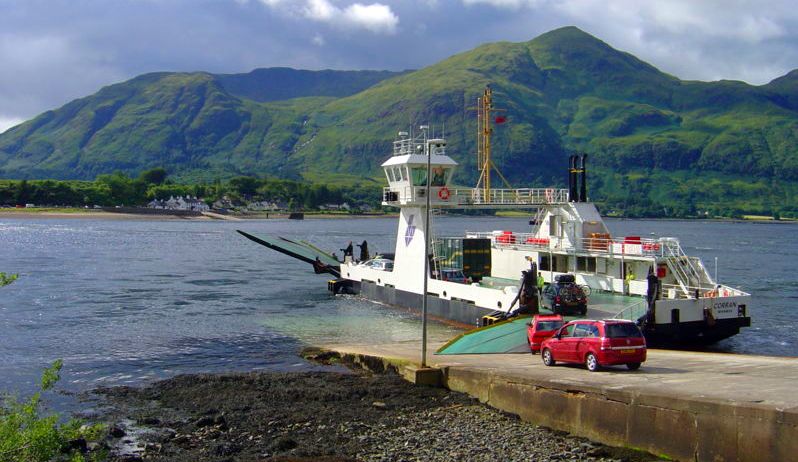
683,334
695,332
457,311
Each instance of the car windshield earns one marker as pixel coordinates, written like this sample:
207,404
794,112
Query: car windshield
625,329
549,325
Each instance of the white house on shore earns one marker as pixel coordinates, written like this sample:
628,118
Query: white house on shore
180,203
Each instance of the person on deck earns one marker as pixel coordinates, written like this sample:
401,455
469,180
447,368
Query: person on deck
541,281
364,251
437,177
349,251
630,276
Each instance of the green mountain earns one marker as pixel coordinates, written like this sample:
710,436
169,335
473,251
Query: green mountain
656,142
281,83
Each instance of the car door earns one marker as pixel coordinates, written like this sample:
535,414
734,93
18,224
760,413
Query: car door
580,336
588,336
567,344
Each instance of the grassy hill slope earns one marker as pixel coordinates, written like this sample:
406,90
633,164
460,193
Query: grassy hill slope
564,91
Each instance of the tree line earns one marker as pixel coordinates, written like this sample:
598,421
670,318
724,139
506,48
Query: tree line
120,189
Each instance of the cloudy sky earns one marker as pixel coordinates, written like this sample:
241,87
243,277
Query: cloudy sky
52,51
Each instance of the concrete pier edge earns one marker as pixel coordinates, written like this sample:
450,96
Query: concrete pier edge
695,429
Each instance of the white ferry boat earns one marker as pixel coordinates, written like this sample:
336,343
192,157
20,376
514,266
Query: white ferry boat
652,281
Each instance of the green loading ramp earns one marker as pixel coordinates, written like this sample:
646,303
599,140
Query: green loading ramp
503,337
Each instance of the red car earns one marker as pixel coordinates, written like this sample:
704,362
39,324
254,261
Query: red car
596,344
541,328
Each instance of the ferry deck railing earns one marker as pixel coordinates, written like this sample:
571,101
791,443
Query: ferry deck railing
452,197
600,246
675,291
689,272
633,312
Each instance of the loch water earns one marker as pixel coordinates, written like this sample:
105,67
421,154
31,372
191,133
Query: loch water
125,302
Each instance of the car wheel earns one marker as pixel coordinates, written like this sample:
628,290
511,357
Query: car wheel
548,359
633,366
591,362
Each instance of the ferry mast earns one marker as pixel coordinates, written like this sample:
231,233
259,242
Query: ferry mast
484,132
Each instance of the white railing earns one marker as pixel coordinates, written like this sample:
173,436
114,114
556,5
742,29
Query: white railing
633,312
688,273
676,291
443,196
612,246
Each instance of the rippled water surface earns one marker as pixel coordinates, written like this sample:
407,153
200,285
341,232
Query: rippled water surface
129,301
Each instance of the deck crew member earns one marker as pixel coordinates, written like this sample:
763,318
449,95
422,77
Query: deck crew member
630,276
349,251
541,281
364,251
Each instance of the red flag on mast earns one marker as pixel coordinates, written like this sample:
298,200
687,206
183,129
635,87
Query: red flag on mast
500,119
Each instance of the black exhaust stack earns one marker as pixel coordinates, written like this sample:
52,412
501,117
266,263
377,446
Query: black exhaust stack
583,172
572,179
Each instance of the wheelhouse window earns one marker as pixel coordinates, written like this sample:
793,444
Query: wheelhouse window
419,175
440,176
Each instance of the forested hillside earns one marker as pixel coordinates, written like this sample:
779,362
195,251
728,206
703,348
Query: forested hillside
658,145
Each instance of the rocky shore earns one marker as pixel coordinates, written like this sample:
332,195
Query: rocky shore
325,416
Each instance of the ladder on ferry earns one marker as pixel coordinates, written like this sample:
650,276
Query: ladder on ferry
690,273
435,267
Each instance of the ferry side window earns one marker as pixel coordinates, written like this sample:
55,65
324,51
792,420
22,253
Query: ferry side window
544,263
438,177
389,174
419,177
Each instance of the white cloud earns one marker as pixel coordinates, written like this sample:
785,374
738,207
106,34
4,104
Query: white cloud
748,40
746,21
320,10
54,51
512,4
374,17
9,122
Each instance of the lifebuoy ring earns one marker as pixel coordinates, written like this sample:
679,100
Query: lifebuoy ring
549,195
443,193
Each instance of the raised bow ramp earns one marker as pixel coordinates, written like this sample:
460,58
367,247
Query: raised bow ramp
321,261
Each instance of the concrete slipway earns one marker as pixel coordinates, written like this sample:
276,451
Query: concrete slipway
684,405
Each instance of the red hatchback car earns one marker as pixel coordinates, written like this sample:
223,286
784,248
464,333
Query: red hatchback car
596,343
540,328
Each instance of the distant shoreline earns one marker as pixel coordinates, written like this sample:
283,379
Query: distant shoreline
88,214
77,213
